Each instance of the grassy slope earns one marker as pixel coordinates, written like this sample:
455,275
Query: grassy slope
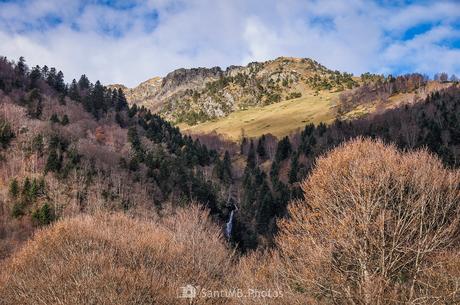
278,119
283,118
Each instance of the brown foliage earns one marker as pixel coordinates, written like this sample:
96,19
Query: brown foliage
377,226
114,259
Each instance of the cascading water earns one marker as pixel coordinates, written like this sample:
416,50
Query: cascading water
229,224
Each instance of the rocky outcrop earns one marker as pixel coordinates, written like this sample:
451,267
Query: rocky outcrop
199,94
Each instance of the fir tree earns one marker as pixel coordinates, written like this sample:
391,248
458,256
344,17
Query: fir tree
54,162
44,215
244,141
34,103
6,134
121,103
13,189
294,169
261,148
283,150
83,83
59,83
251,161
227,168
35,76
74,93
26,187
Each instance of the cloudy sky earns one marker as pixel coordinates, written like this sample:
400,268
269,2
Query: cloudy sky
130,41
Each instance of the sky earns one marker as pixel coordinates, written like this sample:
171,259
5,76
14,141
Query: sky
133,40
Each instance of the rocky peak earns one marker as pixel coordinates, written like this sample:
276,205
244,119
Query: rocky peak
199,94
189,79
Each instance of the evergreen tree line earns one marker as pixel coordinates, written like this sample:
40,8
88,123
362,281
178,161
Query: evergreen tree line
433,124
96,98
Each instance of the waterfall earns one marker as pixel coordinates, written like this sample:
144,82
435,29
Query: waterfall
229,224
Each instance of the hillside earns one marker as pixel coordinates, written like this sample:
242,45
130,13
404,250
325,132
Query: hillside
78,148
197,95
278,119
277,96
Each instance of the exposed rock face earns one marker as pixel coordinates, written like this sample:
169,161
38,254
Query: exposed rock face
182,79
199,94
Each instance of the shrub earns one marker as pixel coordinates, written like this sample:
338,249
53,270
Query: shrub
115,259
294,95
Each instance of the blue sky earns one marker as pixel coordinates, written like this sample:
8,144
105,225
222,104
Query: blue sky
130,41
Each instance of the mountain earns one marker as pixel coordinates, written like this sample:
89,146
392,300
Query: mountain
277,96
201,94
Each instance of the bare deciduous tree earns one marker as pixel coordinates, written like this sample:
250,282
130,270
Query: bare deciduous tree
372,228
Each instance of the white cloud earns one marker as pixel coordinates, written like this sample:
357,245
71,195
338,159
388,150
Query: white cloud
126,46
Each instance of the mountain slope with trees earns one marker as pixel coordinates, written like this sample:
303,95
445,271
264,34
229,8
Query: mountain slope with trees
79,147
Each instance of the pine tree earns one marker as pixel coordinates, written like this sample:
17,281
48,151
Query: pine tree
244,141
133,110
283,150
26,187
44,215
74,93
21,71
51,78
227,168
266,209
17,210
13,189
59,83
34,103
6,134
21,67
97,99
45,71
251,161
274,172
83,83
261,148
34,190
121,103
294,168
53,163
35,76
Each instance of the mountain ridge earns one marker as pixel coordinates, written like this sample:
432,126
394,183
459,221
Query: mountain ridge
201,94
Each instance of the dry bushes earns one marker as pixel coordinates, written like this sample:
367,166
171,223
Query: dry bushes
114,259
377,226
